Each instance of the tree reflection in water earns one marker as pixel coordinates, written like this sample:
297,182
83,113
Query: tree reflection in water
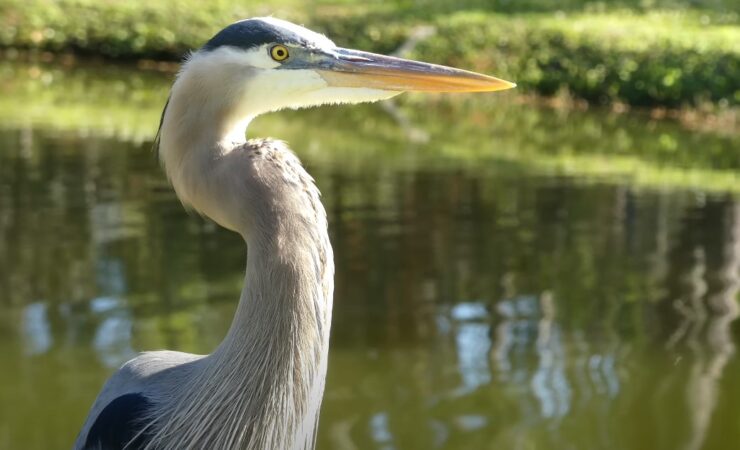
477,306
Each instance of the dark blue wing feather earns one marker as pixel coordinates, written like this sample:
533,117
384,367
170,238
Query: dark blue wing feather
119,423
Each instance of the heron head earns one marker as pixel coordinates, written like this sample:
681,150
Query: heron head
260,65
275,64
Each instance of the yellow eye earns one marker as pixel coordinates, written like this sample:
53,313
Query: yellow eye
279,53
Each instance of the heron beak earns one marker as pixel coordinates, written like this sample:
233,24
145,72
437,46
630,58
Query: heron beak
352,68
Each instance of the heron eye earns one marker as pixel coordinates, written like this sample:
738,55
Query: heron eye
279,53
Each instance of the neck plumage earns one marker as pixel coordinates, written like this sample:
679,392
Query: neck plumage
272,364
262,387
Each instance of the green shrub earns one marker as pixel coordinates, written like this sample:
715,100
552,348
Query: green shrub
641,60
668,58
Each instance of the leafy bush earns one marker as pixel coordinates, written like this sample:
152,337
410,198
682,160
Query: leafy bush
667,58
659,59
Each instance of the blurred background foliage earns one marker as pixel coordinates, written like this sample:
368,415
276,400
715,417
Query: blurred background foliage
649,53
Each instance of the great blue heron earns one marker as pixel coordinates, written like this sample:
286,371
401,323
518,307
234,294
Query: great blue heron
262,387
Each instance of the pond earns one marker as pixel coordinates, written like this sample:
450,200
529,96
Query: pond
509,276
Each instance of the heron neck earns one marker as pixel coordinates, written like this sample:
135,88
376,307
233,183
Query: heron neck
286,298
266,378
273,360
274,356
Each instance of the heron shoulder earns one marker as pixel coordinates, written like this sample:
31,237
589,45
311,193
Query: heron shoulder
148,364
130,392
121,424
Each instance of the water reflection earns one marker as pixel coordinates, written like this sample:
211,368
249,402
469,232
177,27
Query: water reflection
36,330
472,350
595,343
477,306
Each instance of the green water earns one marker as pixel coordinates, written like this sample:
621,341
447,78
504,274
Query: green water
508,276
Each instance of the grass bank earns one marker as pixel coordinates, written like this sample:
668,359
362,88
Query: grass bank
667,58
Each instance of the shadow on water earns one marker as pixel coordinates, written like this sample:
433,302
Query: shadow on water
496,286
